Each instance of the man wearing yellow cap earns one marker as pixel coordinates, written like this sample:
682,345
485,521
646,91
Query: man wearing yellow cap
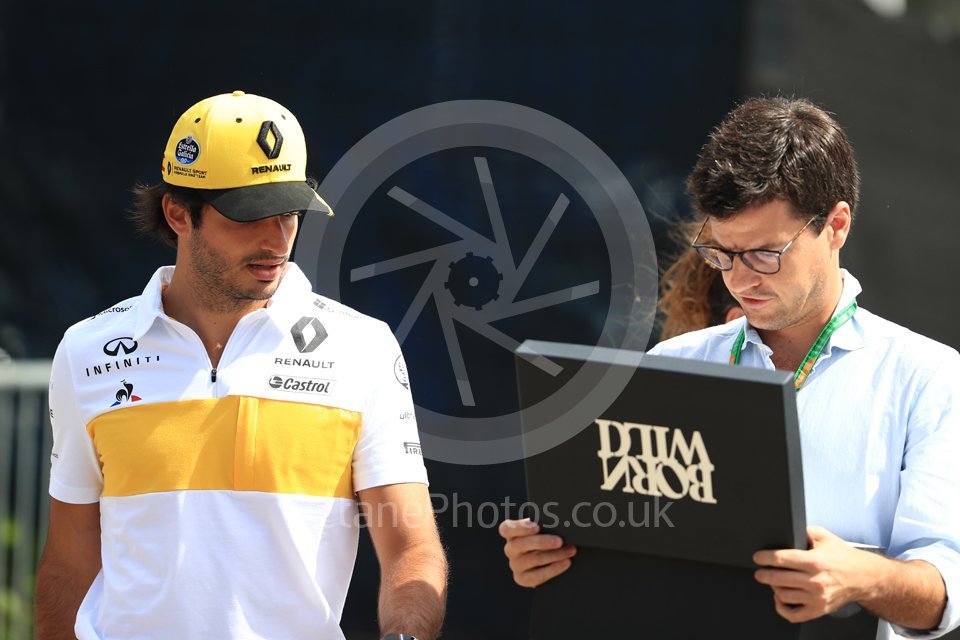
216,437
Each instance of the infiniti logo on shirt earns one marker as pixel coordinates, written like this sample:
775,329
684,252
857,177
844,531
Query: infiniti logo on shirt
120,349
127,344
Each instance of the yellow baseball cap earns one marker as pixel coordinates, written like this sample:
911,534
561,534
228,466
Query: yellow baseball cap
245,155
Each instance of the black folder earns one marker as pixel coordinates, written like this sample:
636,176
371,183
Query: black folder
668,490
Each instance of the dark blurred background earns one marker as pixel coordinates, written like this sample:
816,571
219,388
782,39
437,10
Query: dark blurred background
89,92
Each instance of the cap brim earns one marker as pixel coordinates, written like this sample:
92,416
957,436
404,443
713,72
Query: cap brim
246,204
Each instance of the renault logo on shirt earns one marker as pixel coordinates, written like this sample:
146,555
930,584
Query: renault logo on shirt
127,344
304,327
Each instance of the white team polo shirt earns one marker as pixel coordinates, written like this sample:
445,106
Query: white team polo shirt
226,495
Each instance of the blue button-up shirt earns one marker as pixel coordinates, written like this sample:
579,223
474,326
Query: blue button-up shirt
880,437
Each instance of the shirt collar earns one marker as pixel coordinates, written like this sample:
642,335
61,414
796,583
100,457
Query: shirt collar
849,336
750,336
150,307
283,305
293,286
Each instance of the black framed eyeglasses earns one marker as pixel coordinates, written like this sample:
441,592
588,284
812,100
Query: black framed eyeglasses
765,261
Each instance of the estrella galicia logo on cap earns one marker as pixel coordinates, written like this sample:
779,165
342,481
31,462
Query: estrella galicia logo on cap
188,150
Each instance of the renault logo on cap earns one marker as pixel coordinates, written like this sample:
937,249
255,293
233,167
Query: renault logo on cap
268,126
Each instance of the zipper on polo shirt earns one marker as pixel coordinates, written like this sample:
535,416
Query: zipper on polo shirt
224,357
191,335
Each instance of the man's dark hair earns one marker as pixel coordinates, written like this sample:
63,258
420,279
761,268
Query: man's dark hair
775,148
147,210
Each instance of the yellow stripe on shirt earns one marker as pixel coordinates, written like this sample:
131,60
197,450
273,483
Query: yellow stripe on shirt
237,443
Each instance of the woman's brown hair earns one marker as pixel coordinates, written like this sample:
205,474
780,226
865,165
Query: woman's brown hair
692,293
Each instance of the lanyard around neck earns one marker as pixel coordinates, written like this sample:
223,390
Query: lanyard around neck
818,345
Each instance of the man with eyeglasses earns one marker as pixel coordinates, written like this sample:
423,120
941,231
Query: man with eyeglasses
879,405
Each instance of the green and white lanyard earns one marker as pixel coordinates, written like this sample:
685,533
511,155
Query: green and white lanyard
818,345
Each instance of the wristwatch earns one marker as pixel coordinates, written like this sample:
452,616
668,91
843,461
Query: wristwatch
398,636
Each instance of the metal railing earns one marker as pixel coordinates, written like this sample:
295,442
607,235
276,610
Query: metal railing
25,443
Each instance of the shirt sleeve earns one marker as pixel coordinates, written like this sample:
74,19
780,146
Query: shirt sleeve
75,475
388,450
927,520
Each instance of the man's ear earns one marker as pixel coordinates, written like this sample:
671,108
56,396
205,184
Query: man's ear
177,215
838,225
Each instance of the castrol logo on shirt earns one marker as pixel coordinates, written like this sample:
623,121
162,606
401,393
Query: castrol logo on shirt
302,385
